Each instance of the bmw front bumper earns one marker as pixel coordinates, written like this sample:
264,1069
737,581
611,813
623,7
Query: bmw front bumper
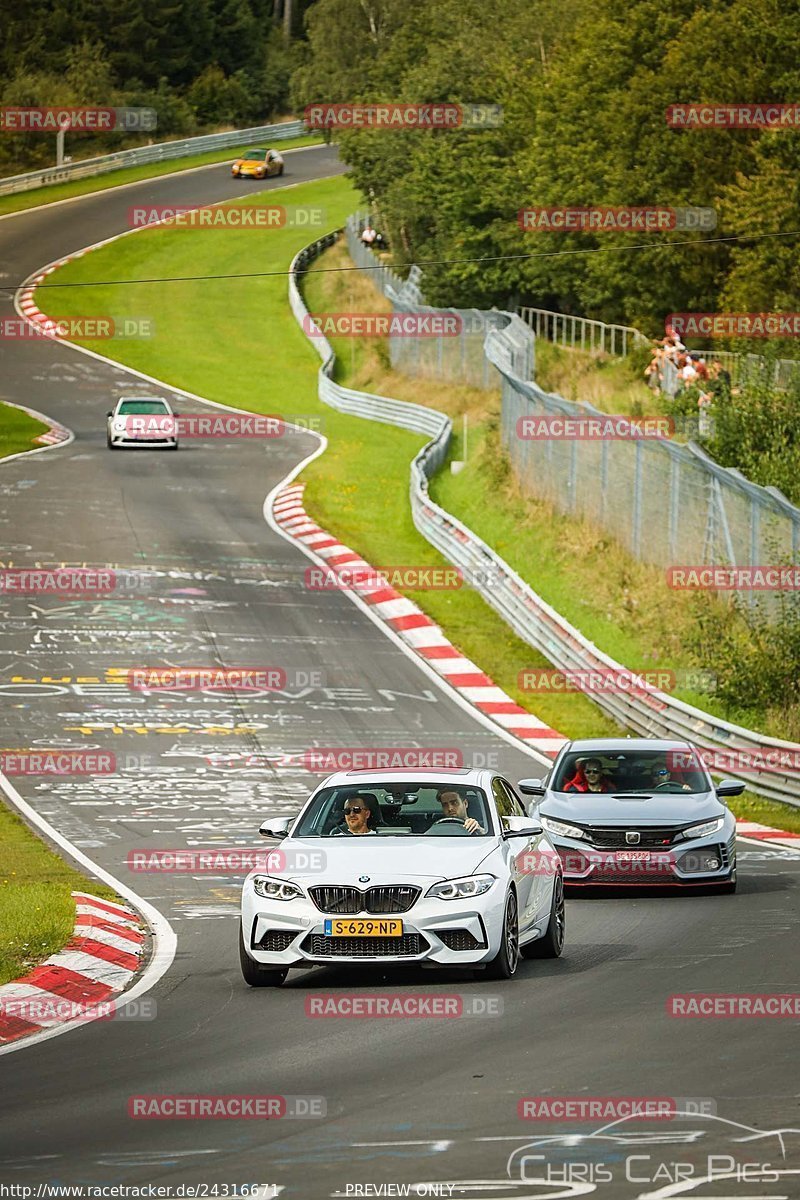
442,932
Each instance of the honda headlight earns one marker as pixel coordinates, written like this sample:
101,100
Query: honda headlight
461,889
561,829
704,830
276,889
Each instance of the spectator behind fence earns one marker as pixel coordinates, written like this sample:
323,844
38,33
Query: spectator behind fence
653,372
689,373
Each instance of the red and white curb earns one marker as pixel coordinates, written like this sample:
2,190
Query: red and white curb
416,629
30,309
97,964
55,434
765,833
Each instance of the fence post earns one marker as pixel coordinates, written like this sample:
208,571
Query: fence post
603,479
674,504
755,532
636,515
573,475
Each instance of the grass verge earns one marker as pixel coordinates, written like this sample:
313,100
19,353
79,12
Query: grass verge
18,430
100,183
37,912
614,385
251,320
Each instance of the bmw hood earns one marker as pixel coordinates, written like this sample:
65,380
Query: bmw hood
344,860
665,808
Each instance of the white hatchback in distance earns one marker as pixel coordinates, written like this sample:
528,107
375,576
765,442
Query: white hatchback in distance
438,868
140,423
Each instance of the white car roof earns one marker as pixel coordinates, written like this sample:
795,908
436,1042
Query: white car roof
472,776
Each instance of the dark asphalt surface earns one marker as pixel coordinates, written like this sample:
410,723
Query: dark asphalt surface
408,1101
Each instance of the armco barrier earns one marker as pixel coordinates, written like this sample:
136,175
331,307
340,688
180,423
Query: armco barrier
654,714
160,152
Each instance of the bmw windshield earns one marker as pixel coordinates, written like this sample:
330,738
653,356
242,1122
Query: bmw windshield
405,810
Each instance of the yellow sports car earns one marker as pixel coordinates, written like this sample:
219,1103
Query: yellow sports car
257,164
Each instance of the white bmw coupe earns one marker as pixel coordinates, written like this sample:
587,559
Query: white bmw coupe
433,867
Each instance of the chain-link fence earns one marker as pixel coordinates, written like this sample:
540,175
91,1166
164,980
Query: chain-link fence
668,504
458,354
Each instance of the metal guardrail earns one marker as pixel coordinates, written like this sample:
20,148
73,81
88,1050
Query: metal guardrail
160,152
653,714
583,333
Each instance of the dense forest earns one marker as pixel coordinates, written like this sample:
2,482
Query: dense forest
200,64
584,89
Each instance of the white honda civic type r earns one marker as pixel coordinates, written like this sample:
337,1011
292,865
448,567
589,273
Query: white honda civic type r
432,867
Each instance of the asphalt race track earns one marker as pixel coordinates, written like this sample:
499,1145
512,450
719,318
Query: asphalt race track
407,1101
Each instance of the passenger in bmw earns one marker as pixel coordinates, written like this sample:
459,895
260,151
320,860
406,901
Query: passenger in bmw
454,808
360,814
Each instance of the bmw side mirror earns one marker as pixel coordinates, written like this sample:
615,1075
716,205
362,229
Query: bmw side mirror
514,827
110,412
275,827
729,787
532,787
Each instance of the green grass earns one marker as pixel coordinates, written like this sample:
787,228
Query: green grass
18,430
614,385
37,912
100,183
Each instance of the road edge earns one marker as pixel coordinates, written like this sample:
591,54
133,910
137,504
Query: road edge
165,941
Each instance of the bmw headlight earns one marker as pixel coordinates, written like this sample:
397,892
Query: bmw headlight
704,830
461,889
276,889
561,829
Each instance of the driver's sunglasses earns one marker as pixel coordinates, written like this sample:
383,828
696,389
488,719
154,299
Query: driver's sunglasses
591,770
356,809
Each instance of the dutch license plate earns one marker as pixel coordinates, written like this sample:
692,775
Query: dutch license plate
362,927
632,856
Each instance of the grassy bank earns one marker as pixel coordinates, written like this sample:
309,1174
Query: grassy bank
37,912
100,183
18,430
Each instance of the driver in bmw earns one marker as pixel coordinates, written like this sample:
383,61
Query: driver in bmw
454,807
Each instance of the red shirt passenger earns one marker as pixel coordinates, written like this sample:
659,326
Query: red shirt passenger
589,777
